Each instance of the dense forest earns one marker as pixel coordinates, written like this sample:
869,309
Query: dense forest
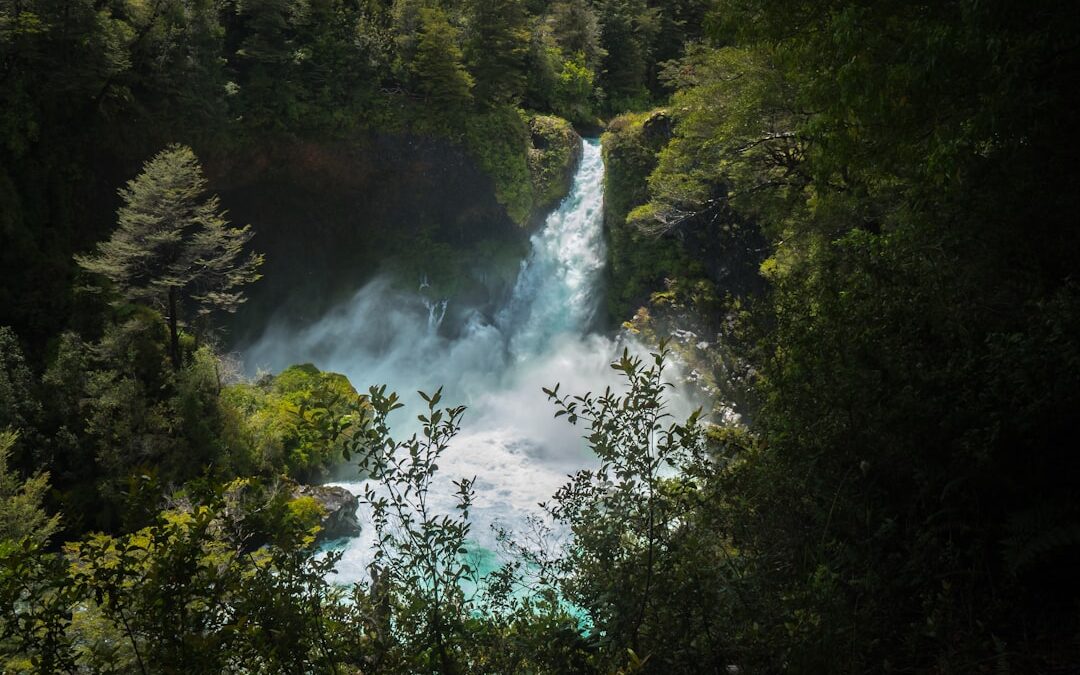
869,209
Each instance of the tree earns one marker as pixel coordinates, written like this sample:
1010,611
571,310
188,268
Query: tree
633,518
419,566
19,408
497,46
627,28
174,248
916,348
577,29
21,512
441,77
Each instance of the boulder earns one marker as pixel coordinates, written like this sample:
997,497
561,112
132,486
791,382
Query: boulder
340,506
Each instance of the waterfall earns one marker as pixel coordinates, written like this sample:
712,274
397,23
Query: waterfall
495,366
436,313
557,291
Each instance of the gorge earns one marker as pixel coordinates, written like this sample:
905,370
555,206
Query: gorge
495,362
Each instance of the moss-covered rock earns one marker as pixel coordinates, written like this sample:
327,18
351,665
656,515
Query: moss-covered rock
553,158
499,140
639,262
335,509
530,159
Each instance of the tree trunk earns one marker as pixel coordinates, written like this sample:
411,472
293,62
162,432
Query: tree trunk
448,667
174,333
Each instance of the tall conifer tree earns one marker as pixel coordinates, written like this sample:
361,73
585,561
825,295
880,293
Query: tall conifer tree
498,43
437,67
174,248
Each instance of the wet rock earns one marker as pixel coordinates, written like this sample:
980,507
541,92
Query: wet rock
340,506
659,127
553,160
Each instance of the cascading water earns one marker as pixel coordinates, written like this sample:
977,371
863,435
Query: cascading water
509,441
557,290
436,313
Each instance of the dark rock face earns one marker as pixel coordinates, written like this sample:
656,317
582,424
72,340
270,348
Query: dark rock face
331,215
659,127
340,506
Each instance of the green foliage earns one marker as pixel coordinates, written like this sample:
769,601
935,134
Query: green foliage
126,422
554,154
627,29
640,260
36,598
406,25
295,422
192,592
496,46
646,564
530,158
576,28
269,62
572,93
562,61
736,143
116,81
499,140
185,594
419,565
884,152
900,501
426,608
22,515
305,513
438,68
19,407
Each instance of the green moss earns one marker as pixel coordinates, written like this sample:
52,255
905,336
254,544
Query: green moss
639,262
304,513
530,159
499,141
555,152
305,381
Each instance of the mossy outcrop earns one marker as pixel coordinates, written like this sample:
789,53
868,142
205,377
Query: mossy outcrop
553,158
531,160
337,509
638,262
289,421
498,141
